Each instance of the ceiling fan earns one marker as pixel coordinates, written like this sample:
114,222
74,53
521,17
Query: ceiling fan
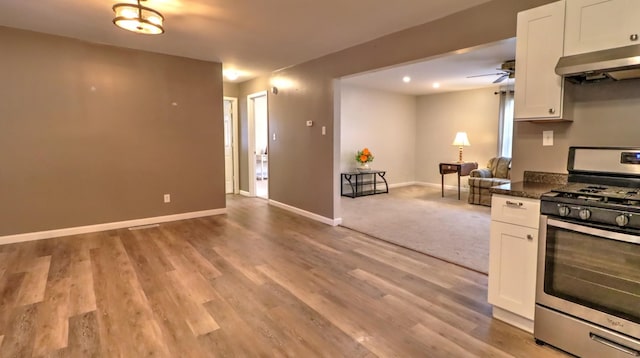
507,70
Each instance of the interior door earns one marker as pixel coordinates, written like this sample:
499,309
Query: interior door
228,146
257,115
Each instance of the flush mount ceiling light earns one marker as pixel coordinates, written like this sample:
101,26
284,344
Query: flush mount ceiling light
138,18
231,75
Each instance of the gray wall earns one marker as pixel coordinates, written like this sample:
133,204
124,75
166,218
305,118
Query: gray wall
605,114
89,133
230,89
440,116
384,122
301,161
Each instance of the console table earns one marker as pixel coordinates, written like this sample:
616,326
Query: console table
463,169
361,183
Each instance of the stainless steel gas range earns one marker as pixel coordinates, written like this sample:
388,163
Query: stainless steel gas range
588,281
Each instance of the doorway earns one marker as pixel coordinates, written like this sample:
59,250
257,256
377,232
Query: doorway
258,145
231,167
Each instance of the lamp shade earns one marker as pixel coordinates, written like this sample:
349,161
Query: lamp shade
461,140
138,18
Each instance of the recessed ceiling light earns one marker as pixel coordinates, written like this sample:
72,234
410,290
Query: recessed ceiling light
436,85
406,79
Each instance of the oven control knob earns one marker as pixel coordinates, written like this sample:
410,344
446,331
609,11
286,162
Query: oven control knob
622,220
564,210
585,214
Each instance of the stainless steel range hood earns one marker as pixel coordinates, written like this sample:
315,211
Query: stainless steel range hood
619,63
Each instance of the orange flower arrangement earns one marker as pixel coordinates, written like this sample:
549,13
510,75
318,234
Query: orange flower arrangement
364,156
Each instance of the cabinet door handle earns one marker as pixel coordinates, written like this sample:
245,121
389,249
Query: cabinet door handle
552,110
633,37
513,203
529,237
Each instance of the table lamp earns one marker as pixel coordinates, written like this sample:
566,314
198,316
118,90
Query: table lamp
461,140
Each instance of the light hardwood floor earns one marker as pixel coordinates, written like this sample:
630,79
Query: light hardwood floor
257,282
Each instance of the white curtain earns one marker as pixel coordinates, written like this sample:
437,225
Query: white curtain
505,143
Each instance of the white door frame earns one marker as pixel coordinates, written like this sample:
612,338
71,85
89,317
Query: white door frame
251,128
337,150
235,139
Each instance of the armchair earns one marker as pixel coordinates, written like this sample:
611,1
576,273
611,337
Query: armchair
497,172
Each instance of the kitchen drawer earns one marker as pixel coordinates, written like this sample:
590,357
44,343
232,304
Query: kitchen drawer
515,210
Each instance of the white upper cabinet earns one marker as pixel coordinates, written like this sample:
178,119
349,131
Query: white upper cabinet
593,25
539,92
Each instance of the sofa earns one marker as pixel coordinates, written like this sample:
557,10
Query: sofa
497,172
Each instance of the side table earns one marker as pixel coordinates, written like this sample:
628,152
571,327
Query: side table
361,183
463,169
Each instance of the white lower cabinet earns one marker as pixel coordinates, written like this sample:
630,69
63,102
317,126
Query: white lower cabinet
513,259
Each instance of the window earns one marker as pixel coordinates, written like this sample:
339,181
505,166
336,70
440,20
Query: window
505,143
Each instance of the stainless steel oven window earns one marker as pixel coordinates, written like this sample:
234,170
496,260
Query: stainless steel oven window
593,271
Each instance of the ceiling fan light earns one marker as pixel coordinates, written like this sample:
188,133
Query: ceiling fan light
138,18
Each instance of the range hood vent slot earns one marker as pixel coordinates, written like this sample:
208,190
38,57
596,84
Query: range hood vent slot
616,64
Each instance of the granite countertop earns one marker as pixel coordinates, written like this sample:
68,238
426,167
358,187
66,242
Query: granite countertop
534,185
524,189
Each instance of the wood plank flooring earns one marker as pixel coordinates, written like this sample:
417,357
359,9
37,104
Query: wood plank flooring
257,282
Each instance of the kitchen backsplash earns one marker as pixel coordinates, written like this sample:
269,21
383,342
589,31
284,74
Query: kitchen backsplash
605,114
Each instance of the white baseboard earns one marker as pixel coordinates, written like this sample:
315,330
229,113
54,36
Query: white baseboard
9,239
308,214
244,193
399,185
446,187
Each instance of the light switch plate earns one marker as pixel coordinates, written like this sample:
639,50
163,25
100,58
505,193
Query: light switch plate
547,138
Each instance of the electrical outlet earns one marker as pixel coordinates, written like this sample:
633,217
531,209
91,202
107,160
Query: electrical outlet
167,198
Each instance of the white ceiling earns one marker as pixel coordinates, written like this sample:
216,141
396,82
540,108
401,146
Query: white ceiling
449,70
255,37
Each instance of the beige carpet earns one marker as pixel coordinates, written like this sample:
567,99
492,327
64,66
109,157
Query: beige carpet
416,217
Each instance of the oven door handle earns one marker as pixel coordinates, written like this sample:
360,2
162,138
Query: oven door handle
612,235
